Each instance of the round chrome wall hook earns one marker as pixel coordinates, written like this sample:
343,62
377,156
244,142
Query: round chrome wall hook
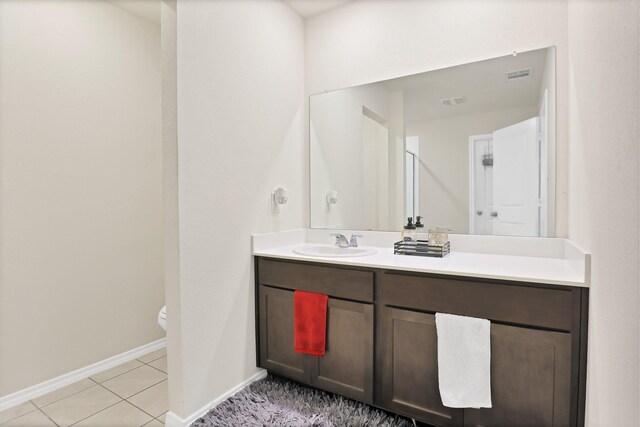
278,197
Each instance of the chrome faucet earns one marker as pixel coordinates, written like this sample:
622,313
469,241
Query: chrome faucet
342,242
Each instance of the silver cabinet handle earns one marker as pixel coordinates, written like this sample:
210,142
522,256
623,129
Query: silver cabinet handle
494,214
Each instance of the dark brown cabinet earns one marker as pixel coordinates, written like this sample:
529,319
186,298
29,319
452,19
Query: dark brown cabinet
347,366
409,367
530,379
276,335
382,350
536,350
530,374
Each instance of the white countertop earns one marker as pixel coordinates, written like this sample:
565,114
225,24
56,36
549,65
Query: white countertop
538,260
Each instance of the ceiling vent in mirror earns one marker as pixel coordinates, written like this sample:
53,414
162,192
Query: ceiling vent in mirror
519,74
457,100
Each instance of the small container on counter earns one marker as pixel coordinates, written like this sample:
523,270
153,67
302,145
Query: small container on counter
438,237
409,232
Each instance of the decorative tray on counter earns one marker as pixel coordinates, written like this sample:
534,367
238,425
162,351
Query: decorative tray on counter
421,248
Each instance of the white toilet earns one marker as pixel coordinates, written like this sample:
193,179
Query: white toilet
162,318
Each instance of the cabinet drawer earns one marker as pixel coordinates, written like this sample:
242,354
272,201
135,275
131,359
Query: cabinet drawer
519,304
336,282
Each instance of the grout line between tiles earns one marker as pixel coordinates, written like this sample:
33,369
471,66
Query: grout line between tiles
95,384
127,399
134,405
95,413
158,417
50,419
150,361
21,415
40,408
112,392
131,403
116,376
72,394
166,379
157,369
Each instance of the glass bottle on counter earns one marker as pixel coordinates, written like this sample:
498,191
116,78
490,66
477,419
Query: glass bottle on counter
409,233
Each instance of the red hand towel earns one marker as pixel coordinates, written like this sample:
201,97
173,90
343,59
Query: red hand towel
309,322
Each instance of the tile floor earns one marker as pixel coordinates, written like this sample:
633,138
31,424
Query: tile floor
129,395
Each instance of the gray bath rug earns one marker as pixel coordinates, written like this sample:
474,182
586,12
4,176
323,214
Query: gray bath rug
276,402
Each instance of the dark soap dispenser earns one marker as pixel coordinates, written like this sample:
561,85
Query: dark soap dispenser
419,227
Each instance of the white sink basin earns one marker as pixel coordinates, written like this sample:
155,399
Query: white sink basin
332,251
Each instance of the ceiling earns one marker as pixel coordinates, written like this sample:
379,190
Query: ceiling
150,9
483,84
145,9
309,8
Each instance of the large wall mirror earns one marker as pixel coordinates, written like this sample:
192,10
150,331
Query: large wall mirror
469,148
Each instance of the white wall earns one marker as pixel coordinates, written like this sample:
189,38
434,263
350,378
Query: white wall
444,162
240,135
603,129
346,47
169,33
81,187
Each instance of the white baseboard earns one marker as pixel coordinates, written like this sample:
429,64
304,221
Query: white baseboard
173,420
43,388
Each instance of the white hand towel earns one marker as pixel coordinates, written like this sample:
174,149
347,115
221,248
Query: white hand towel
464,361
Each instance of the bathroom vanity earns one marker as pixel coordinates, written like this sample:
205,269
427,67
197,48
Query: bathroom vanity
382,342
471,149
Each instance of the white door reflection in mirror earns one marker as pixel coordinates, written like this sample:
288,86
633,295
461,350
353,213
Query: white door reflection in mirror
508,180
516,180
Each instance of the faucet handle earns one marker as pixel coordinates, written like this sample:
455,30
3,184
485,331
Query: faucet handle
354,240
341,240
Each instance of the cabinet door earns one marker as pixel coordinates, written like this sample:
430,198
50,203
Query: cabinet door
410,368
347,366
277,353
530,379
